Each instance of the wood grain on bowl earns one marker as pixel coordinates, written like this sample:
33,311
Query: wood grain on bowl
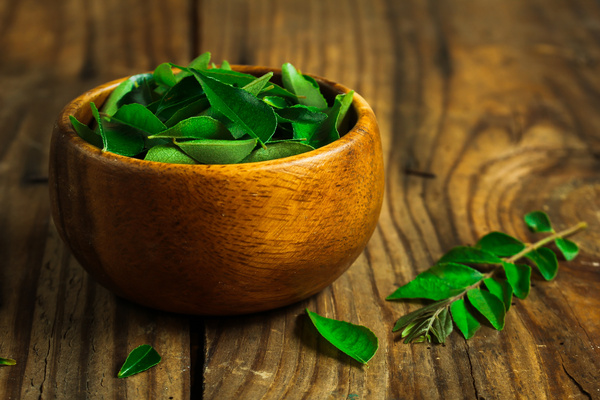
217,239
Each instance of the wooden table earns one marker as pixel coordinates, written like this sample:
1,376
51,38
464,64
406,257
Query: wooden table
487,109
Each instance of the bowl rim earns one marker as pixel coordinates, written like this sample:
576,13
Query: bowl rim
365,119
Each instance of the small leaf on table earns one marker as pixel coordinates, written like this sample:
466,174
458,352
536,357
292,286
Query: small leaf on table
538,221
546,261
489,306
357,341
7,361
464,320
140,359
442,326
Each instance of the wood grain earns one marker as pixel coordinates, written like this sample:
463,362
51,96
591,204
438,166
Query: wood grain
487,110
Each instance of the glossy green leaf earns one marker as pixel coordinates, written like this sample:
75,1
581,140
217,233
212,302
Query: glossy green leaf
110,105
186,91
442,326
163,75
240,79
546,261
258,84
519,278
469,255
308,94
277,150
489,306
122,140
208,151
142,92
276,101
139,117
500,244
357,341
252,115
196,128
501,289
7,361
439,282
329,130
168,153
225,65
201,62
86,133
139,360
466,323
568,249
301,114
189,110
417,331
538,221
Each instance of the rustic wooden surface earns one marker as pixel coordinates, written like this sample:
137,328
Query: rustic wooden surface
487,110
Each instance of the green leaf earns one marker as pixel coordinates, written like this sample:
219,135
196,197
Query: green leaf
139,360
357,341
110,105
201,62
469,255
546,261
86,133
538,221
328,131
308,94
257,85
208,151
519,278
501,289
139,117
225,65
276,101
186,91
124,140
7,361
240,79
500,244
202,127
169,153
141,93
187,111
438,282
301,114
252,115
466,323
489,306
568,249
422,312
442,326
277,150
163,75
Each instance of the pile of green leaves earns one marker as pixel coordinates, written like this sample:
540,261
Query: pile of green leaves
470,284
213,115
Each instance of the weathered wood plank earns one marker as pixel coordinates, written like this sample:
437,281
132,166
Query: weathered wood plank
486,112
68,334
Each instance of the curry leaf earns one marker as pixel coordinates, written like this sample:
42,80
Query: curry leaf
568,249
209,151
538,221
252,115
163,75
307,90
139,360
438,282
139,117
328,131
7,361
489,306
469,255
169,153
546,261
442,326
500,244
86,133
464,319
519,278
201,127
110,105
357,341
277,150
501,289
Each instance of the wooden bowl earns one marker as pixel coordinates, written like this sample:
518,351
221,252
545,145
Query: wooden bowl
217,239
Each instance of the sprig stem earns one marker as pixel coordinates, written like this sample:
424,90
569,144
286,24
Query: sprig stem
528,248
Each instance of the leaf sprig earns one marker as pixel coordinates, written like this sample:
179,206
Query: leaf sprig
213,115
7,361
464,294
